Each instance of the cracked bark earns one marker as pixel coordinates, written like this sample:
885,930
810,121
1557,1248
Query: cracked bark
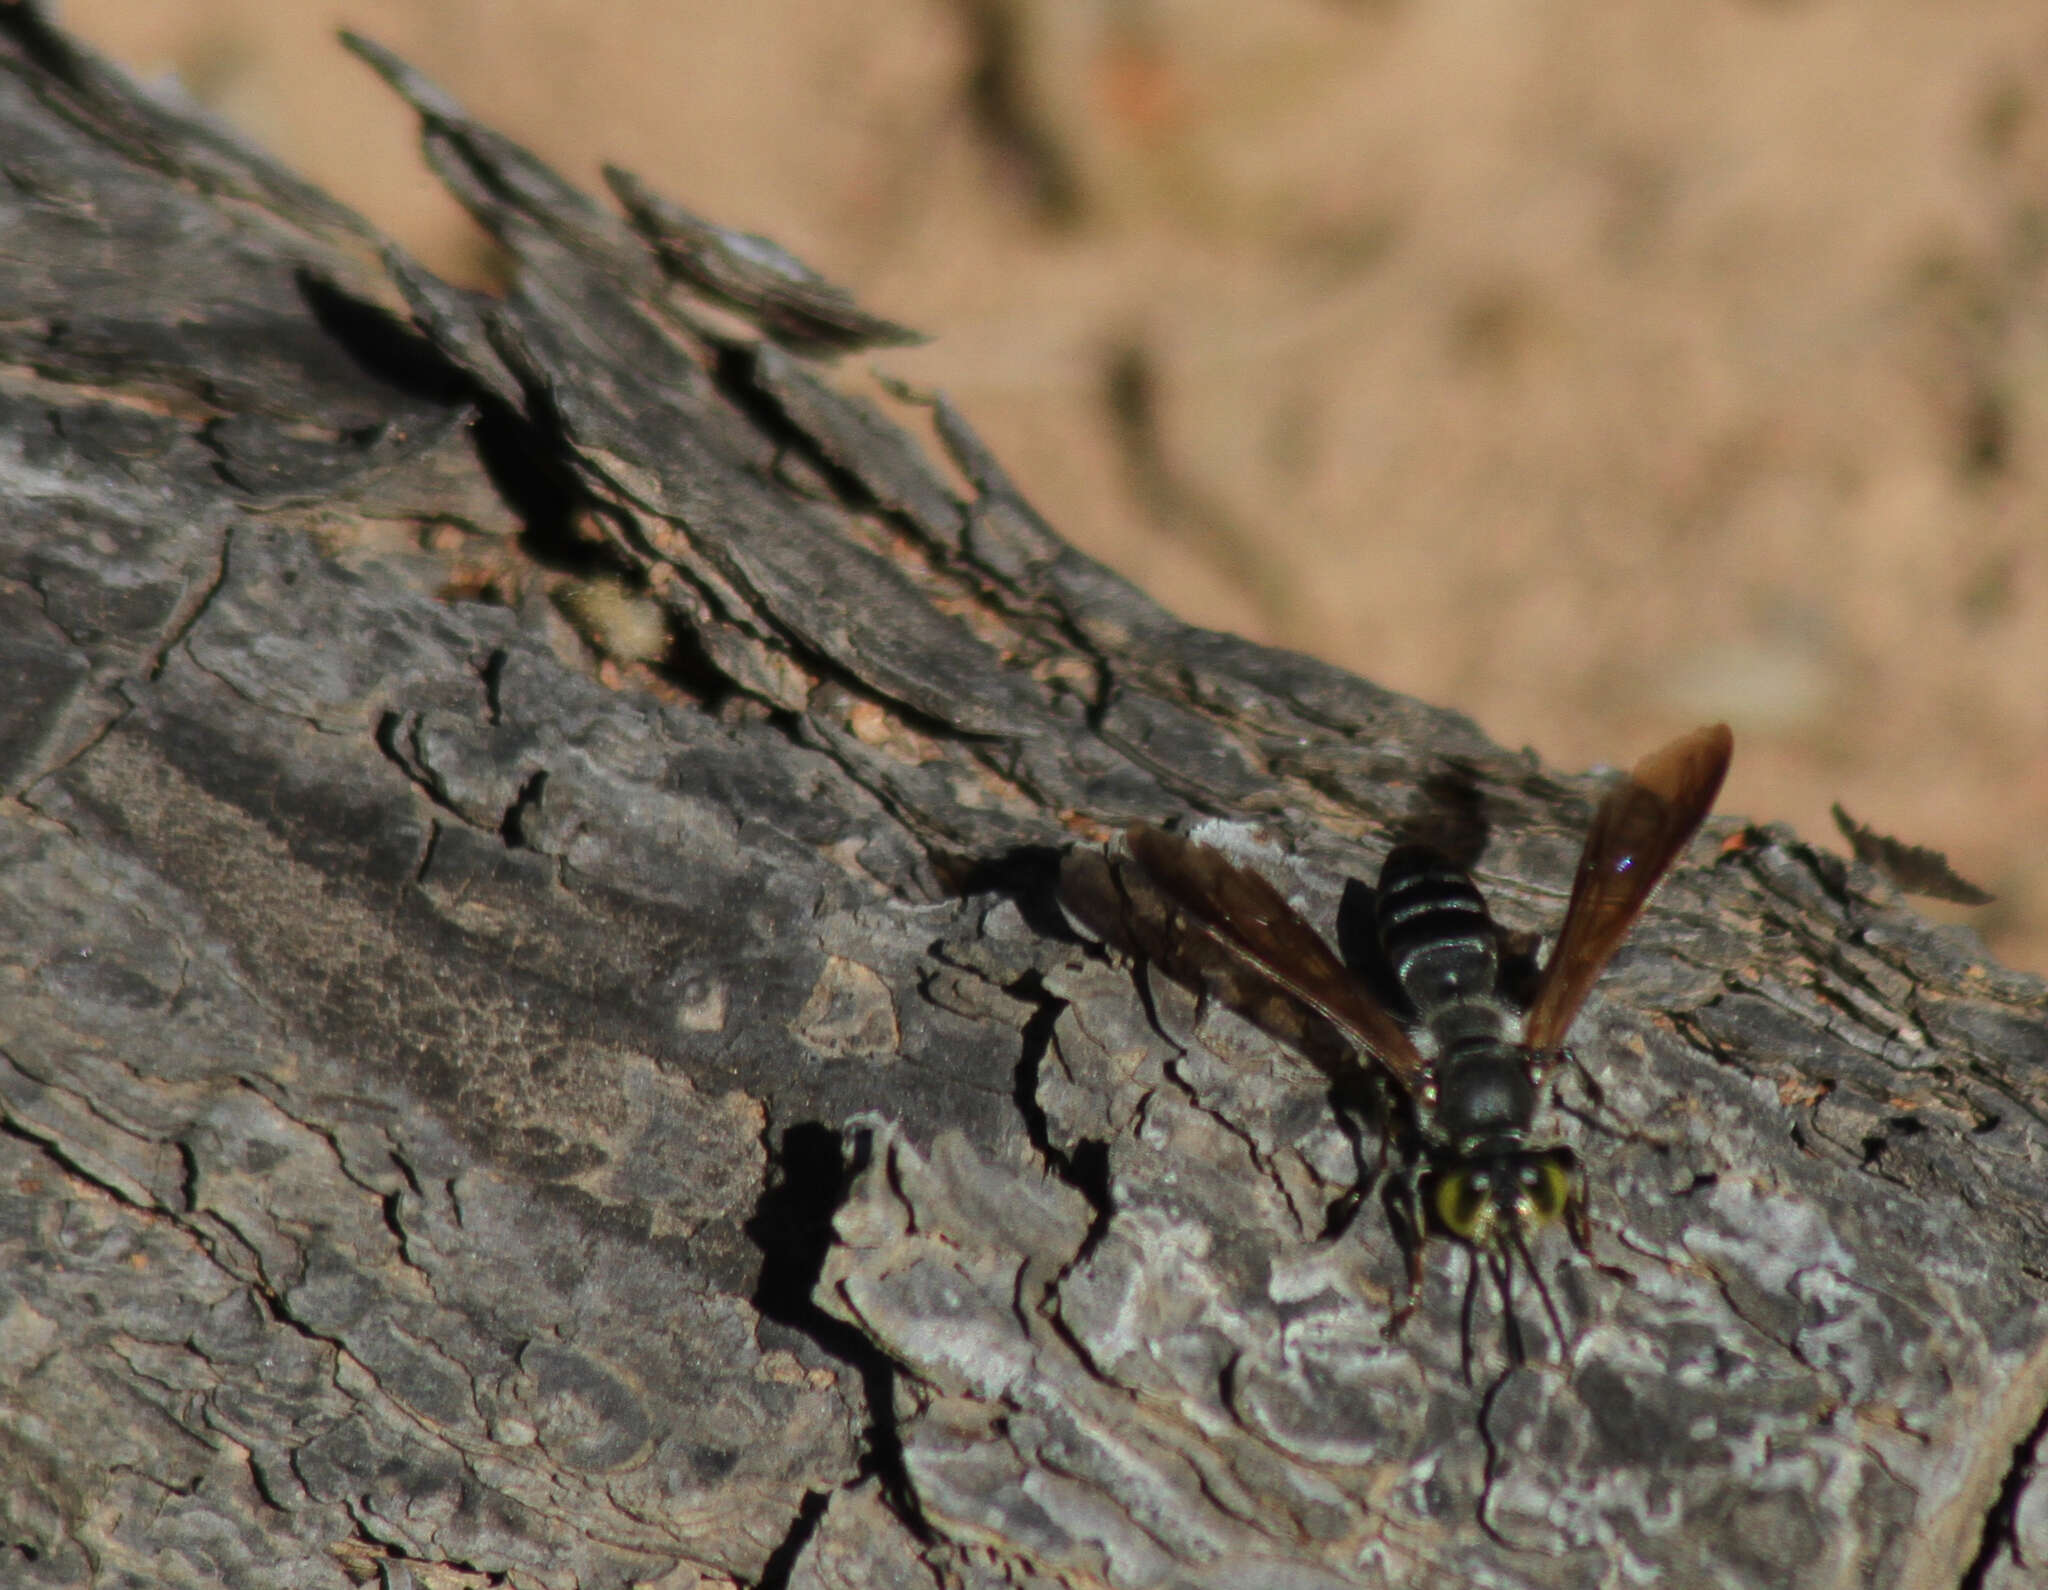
480,1106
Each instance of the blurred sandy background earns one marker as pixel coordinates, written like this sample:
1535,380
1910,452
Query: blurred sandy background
1595,369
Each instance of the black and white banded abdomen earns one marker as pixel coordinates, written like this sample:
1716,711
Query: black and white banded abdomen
1434,930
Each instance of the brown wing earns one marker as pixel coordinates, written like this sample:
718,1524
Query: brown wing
1245,914
1638,832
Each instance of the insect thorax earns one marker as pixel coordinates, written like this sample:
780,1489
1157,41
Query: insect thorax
1484,1092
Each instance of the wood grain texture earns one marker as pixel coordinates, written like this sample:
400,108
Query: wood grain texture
483,1109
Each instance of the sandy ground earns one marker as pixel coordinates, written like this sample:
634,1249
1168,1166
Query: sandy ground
1594,369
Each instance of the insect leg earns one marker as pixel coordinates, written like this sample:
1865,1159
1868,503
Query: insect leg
1578,1224
1597,1113
1578,1216
1404,1202
1544,1064
1344,1209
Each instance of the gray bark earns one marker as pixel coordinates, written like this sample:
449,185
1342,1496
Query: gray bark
484,1102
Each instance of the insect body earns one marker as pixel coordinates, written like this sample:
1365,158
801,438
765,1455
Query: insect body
1468,1064
1486,1184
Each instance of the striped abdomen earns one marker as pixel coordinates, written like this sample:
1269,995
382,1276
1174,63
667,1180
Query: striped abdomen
1439,942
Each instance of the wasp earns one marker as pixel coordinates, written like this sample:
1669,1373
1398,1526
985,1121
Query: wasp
1469,1065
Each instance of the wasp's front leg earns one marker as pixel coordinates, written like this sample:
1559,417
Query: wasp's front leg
1404,1202
1578,1225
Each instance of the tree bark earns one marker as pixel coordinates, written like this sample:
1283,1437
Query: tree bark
538,1044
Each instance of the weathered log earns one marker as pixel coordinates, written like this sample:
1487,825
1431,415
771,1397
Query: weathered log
493,1100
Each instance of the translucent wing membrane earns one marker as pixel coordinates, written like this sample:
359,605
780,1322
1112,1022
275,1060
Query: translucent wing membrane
1640,829
1240,910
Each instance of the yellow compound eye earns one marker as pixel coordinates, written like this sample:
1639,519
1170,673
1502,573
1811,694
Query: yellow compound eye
1545,1189
1464,1202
